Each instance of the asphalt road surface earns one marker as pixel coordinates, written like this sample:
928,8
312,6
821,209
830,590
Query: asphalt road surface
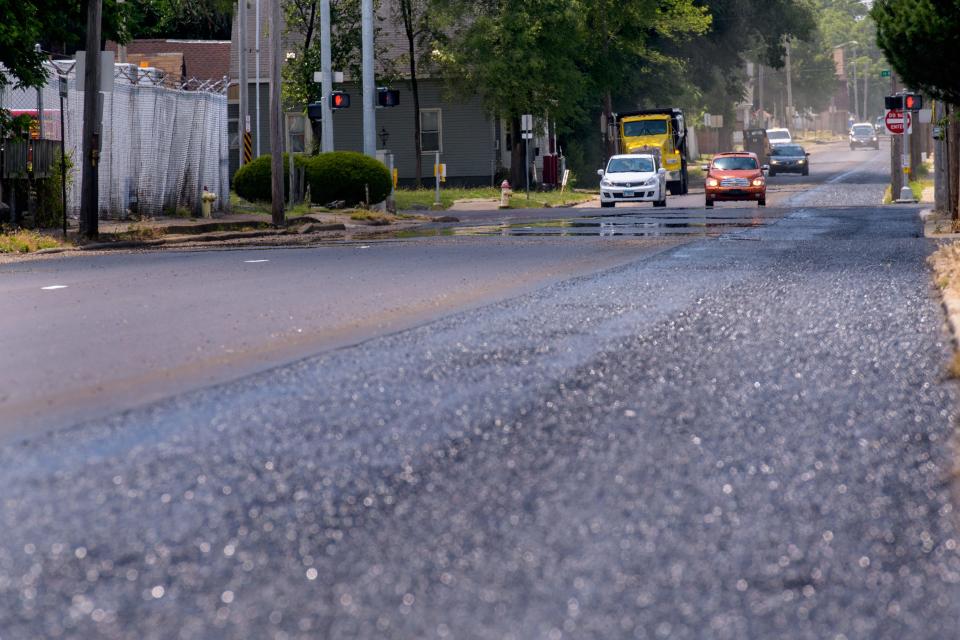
733,435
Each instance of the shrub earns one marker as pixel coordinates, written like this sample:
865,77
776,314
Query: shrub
252,180
345,175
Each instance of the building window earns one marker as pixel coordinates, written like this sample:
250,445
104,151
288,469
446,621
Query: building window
232,135
430,128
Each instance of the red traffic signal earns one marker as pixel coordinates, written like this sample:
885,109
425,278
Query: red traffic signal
339,100
913,102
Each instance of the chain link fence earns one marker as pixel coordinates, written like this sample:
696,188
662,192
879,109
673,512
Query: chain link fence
160,145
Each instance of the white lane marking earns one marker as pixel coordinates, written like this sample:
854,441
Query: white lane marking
364,246
53,287
255,261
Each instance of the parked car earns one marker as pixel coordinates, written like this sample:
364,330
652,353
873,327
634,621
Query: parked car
633,177
779,136
862,134
735,176
789,158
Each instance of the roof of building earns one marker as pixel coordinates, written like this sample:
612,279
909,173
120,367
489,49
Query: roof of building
199,59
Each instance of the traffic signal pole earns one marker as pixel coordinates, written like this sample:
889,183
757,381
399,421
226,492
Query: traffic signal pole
326,79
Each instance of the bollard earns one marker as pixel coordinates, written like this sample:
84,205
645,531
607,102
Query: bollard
505,195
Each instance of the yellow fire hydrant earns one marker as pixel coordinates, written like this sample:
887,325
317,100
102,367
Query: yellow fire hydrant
505,195
206,202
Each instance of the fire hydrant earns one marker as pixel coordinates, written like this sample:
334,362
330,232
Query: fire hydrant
206,202
505,195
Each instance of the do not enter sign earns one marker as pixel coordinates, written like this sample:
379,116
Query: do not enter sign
894,121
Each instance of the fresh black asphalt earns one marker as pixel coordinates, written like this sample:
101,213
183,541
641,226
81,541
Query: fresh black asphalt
740,437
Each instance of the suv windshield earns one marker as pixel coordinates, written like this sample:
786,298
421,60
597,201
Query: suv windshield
735,163
625,165
644,128
787,150
863,130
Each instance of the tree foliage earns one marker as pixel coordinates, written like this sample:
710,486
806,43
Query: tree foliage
200,19
52,24
921,39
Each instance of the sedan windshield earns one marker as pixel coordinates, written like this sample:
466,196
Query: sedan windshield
644,128
787,150
735,163
778,135
863,130
628,165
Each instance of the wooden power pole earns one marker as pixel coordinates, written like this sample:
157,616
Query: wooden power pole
276,114
89,188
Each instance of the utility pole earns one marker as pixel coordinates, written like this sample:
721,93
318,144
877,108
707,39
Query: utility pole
940,172
763,120
789,108
256,62
89,189
856,97
243,127
326,79
121,48
896,147
276,115
369,88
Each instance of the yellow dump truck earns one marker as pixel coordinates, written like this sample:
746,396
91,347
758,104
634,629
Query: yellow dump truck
659,131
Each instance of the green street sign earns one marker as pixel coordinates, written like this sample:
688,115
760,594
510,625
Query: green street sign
884,73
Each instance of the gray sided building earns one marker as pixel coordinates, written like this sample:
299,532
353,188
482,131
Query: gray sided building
466,136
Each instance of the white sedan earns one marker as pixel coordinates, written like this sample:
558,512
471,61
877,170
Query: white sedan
635,177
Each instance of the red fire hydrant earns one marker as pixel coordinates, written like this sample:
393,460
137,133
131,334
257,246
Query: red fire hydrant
505,195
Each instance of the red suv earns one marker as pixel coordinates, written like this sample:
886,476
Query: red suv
735,176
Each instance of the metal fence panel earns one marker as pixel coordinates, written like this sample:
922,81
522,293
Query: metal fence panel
160,145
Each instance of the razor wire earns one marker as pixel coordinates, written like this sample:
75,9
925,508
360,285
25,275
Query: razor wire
161,142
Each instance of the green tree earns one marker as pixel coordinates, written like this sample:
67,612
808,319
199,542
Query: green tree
921,39
520,57
27,23
422,31
201,19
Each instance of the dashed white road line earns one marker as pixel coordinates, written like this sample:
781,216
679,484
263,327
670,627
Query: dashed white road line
53,287
255,261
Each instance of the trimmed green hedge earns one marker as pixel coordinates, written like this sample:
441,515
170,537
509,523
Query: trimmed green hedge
343,175
252,180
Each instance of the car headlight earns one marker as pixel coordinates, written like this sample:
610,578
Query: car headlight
774,162
758,182
801,161
606,183
651,181
712,182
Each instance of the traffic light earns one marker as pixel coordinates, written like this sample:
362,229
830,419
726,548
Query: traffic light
893,102
913,101
339,100
388,97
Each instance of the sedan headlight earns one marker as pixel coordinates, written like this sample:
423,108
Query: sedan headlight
801,161
606,183
712,182
758,182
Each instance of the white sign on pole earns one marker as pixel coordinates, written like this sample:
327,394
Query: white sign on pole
317,76
565,179
925,116
338,76
526,122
